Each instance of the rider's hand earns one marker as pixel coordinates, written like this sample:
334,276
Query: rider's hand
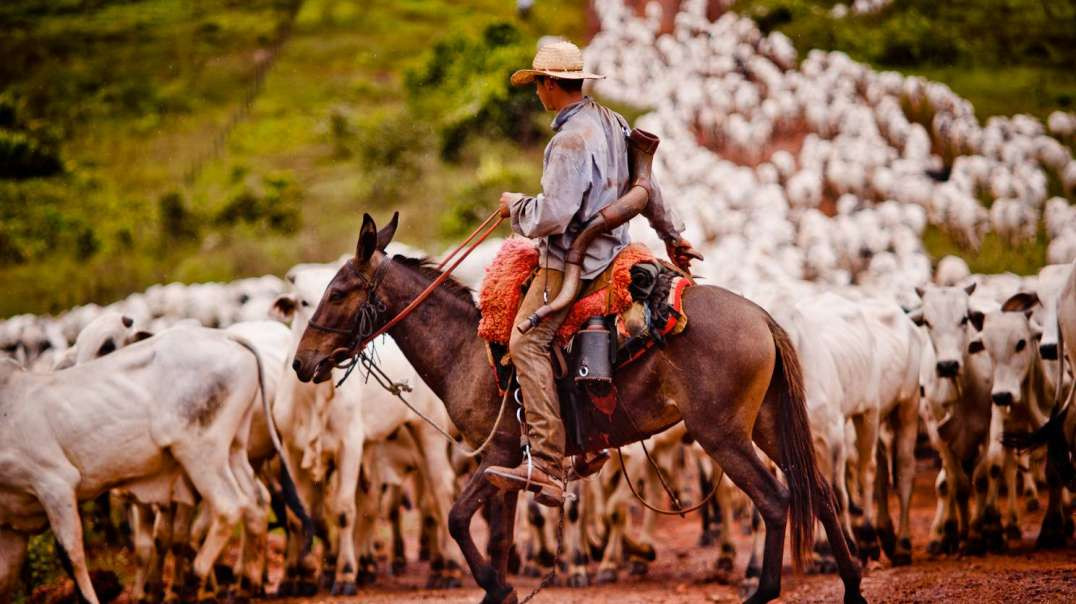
681,253
507,199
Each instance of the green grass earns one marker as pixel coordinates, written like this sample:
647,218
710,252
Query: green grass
139,92
994,255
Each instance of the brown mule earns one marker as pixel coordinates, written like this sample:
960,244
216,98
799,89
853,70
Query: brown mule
733,377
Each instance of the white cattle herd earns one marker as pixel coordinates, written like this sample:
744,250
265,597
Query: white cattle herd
808,185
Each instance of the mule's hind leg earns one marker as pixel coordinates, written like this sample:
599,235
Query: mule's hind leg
734,452
477,491
766,435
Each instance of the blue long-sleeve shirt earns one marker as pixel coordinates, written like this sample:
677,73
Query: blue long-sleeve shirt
585,169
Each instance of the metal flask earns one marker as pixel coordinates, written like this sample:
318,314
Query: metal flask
594,366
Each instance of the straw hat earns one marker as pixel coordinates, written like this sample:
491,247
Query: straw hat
557,60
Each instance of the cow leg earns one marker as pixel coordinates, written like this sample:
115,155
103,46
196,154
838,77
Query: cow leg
344,508
754,564
1034,461
905,433
726,561
435,474
12,558
61,507
1012,526
616,517
866,425
575,538
144,549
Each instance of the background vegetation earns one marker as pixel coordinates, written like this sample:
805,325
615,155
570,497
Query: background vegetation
146,141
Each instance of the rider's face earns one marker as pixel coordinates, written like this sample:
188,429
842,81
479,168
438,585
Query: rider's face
542,86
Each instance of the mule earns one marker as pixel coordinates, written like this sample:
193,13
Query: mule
733,377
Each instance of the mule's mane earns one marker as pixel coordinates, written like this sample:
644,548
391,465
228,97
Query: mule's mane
428,269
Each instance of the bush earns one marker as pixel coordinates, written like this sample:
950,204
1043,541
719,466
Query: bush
463,88
473,202
23,157
273,202
390,149
177,221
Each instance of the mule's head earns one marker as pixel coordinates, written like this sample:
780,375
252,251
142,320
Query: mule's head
334,328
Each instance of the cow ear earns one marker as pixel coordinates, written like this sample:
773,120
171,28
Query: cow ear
1036,329
916,315
920,290
1020,302
139,335
367,243
977,317
283,308
975,347
384,236
970,288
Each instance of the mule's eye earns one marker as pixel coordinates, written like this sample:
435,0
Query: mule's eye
1020,345
335,296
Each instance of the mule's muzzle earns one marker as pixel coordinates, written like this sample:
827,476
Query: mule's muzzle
309,368
1002,399
947,369
1048,351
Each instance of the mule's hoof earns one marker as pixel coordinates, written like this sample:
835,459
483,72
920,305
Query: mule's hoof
1033,505
606,576
638,568
854,598
888,539
508,597
578,580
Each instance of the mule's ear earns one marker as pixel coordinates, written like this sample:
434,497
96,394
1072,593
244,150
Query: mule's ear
1020,302
364,249
970,289
384,236
283,308
977,317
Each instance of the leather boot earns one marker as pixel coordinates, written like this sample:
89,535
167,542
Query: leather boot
545,487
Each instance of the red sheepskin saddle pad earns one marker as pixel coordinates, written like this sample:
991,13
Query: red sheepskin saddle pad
507,278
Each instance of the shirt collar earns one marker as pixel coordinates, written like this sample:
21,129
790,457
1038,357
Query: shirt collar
567,112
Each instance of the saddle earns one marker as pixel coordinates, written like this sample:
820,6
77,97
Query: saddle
635,304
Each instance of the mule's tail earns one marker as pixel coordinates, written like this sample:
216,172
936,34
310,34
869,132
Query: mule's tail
797,461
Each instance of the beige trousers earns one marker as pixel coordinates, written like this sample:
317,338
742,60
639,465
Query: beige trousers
530,355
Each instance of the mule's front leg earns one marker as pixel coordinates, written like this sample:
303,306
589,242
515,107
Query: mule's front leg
477,492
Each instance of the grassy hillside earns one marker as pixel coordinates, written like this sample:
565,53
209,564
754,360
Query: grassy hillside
157,140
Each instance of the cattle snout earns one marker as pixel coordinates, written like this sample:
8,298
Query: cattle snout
948,369
1048,351
1002,399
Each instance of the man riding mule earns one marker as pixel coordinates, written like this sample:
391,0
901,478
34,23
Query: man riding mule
586,168
733,377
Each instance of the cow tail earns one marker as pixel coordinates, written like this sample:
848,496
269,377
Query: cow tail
287,484
797,461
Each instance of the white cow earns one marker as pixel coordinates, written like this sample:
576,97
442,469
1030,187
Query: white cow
179,403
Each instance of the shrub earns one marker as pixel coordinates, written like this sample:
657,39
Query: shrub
463,88
177,221
273,202
473,202
23,157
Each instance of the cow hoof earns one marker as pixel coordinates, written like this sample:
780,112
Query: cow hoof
638,568
724,563
606,576
515,562
306,588
1033,505
345,588
578,580
975,546
706,539
888,539
901,558
1013,533
935,547
753,571
399,566
546,558
531,570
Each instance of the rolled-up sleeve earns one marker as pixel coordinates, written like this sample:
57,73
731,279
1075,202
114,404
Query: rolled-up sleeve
663,217
565,180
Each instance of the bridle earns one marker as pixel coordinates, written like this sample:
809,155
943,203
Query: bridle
362,331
